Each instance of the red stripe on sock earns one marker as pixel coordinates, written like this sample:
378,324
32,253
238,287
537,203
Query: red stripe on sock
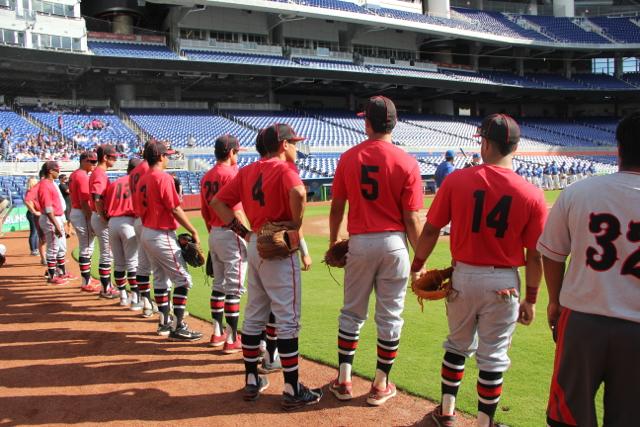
451,375
350,345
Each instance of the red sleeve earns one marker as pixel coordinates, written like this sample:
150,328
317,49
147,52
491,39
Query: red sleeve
204,206
338,189
290,179
168,194
98,184
412,196
83,189
230,193
46,197
534,227
439,213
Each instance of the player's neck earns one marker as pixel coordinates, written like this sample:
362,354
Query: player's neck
226,162
502,162
103,166
379,136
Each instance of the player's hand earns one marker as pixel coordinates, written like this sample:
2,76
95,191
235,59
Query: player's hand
526,313
415,275
306,262
196,238
58,232
553,314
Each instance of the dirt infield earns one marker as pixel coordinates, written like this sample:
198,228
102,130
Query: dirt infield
69,358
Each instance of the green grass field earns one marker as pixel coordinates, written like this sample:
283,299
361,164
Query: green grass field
417,368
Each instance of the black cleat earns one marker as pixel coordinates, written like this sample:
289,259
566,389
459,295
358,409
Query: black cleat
304,397
182,333
252,392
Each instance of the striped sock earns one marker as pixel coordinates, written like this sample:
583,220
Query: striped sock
180,303
489,391
61,265
250,354
162,300
51,267
144,287
288,349
104,270
347,345
232,313
271,336
120,278
217,311
85,269
387,352
452,373
133,286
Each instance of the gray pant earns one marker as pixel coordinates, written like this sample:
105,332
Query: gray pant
480,320
166,259
144,267
56,246
100,228
84,233
376,262
273,285
124,245
229,259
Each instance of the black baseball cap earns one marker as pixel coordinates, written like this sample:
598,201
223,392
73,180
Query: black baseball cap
500,128
276,133
226,143
49,166
133,162
381,113
89,155
107,150
154,150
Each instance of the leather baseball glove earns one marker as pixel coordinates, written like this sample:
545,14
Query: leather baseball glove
433,285
336,255
209,266
277,241
191,252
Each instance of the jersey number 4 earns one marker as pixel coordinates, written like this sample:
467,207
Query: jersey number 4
497,218
606,227
256,192
212,189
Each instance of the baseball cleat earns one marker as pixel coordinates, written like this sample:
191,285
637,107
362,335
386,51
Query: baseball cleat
107,294
268,368
304,397
218,340
56,281
252,391
233,347
124,300
442,420
342,391
377,396
149,308
91,288
164,329
182,333
136,306
69,276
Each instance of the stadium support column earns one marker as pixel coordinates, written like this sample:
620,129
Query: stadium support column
123,24
125,92
439,8
618,66
475,58
564,8
566,66
417,106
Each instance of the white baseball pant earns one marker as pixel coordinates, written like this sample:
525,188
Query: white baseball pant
124,245
165,257
229,258
100,228
84,233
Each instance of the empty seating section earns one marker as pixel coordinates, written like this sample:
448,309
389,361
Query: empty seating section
178,126
497,23
12,187
330,4
238,58
564,30
75,125
562,133
632,79
330,65
317,132
622,30
601,81
132,50
21,129
553,80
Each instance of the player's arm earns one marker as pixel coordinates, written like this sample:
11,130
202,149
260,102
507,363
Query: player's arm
533,276
100,205
305,256
553,276
204,209
336,216
182,219
31,207
297,202
426,244
412,225
48,211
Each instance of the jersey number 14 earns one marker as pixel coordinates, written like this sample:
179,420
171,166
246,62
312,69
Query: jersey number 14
497,218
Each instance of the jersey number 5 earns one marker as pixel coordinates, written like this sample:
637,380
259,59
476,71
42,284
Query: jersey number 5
366,179
497,218
606,227
256,192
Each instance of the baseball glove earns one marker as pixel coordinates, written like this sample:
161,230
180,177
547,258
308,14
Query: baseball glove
277,241
336,255
191,252
433,285
209,266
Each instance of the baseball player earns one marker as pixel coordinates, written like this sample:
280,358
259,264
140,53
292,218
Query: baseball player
494,218
143,271
546,176
122,238
160,214
475,160
571,175
591,171
98,184
80,217
555,177
52,223
227,250
270,190
594,306
563,175
445,168
383,186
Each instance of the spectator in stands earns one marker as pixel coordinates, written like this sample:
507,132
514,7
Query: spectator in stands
445,168
60,122
178,184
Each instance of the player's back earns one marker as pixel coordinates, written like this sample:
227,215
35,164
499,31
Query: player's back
118,198
134,179
212,182
379,180
158,199
494,215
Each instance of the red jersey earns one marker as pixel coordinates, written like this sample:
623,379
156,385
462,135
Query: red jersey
380,181
98,183
158,199
118,198
49,198
494,215
134,178
79,188
212,182
263,188
32,196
